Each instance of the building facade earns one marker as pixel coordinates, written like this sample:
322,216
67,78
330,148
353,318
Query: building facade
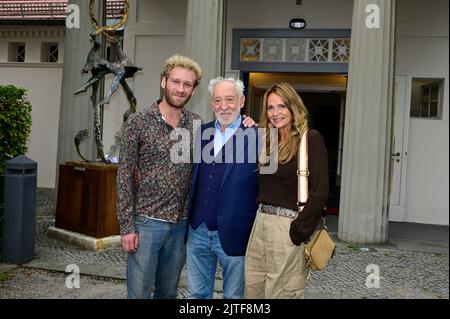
374,75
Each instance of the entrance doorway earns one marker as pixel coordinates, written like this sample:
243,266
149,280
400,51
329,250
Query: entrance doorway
324,97
324,110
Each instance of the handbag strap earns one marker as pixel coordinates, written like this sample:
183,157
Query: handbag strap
302,172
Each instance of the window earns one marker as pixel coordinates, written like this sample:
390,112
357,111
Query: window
16,52
427,98
49,52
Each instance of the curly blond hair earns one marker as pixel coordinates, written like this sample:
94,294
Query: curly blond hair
182,62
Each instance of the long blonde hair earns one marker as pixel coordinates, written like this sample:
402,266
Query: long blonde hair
299,123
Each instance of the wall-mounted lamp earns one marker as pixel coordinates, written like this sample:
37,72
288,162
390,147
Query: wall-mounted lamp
297,23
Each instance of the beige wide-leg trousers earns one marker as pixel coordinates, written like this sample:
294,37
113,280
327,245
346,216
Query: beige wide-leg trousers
274,267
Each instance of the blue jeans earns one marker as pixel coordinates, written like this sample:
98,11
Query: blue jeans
158,261
203,252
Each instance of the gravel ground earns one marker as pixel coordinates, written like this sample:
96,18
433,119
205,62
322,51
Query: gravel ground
27,283
402,274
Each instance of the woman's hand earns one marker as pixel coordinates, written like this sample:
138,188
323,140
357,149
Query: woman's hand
295,232
247,121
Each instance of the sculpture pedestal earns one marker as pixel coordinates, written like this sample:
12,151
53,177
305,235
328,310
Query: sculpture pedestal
87,199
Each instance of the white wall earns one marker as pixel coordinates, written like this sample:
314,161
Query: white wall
254,14
43,83
423,51
44,90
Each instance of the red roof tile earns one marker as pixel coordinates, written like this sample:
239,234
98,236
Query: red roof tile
48,9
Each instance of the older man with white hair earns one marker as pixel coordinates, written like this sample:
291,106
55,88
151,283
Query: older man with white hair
222,204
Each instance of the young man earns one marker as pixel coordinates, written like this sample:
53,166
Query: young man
152,192
222,204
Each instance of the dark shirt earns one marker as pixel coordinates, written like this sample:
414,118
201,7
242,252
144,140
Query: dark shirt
149,183
280,188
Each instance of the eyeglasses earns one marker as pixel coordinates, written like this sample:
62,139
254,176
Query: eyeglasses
228,101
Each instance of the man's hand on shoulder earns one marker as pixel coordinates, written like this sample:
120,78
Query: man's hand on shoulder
130,242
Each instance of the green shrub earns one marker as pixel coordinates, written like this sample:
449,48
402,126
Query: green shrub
15,126
2,178
15,123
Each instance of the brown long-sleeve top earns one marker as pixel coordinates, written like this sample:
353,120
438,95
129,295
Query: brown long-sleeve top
280,188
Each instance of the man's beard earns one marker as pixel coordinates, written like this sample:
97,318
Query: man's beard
172,102
230,121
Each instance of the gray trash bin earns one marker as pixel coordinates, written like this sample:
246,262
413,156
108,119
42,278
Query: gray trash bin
19,211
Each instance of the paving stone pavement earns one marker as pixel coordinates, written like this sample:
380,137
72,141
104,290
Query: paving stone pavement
352,274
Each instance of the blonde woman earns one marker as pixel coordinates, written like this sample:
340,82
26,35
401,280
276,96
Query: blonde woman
275,265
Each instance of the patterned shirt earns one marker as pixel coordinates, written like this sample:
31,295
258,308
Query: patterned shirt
149,183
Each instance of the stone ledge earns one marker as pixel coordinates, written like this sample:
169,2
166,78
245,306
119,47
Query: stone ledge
83,241
89,270
6,267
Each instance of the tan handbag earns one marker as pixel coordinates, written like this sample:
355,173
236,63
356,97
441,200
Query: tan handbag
320,248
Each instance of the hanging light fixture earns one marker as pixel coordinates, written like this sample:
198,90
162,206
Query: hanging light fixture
297,23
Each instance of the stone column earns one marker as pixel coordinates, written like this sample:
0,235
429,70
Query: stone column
76,111
363,216
205,31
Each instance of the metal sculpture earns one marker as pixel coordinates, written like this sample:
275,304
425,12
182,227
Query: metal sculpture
99,67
